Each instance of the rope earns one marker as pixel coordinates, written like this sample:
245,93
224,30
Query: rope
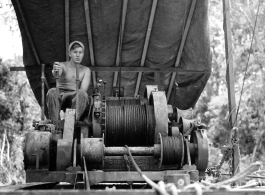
244,78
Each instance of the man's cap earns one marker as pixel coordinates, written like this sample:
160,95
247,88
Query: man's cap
78,42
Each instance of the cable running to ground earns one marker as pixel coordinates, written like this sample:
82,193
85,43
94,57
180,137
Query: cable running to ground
244,78
149,181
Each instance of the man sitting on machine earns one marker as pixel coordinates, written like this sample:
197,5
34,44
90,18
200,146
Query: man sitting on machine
64,95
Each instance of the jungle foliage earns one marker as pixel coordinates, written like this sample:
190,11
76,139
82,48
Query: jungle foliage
213,104
18,107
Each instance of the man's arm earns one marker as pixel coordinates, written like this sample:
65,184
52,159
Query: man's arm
57,68
86,80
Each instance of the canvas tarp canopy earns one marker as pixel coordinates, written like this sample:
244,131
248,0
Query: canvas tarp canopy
45,21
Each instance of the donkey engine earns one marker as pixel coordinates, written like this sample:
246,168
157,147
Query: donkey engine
158,137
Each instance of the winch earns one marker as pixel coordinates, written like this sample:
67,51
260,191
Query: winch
158,137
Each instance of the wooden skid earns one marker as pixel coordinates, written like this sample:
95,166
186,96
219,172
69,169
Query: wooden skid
131,192
95,176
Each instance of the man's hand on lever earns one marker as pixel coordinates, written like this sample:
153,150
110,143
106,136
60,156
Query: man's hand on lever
56,69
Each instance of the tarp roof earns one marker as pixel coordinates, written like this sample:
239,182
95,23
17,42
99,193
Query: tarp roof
46,21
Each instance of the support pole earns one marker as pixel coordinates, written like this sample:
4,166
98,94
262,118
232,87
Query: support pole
118,56
67,41
146,44
90,40
230,83
42,91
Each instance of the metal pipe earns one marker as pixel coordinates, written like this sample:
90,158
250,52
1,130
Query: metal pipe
42,91
120,151
57,91
77,92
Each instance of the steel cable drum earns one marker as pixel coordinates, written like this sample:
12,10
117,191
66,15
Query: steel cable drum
123,101
151,124
130,124
173,150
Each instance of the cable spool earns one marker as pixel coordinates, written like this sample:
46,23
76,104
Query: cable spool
123,101
132,125
172,150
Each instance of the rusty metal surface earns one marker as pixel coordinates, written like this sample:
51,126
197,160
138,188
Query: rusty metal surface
37,150
199,138
97,116
64,154
146,163
187,125
54,140
149,89
93,150
159,101
69,124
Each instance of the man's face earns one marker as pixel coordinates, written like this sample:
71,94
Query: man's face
77,55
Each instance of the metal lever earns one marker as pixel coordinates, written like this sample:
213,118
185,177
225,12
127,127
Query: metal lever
57,93
77,92
86,175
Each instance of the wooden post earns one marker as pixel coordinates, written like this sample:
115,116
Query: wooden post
42,91
90,40
230,83
118,56
67,41
146,44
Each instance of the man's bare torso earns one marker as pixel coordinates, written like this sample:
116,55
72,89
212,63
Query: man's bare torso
67,79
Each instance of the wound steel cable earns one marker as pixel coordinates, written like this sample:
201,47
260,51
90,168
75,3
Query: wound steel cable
129,124
172,150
